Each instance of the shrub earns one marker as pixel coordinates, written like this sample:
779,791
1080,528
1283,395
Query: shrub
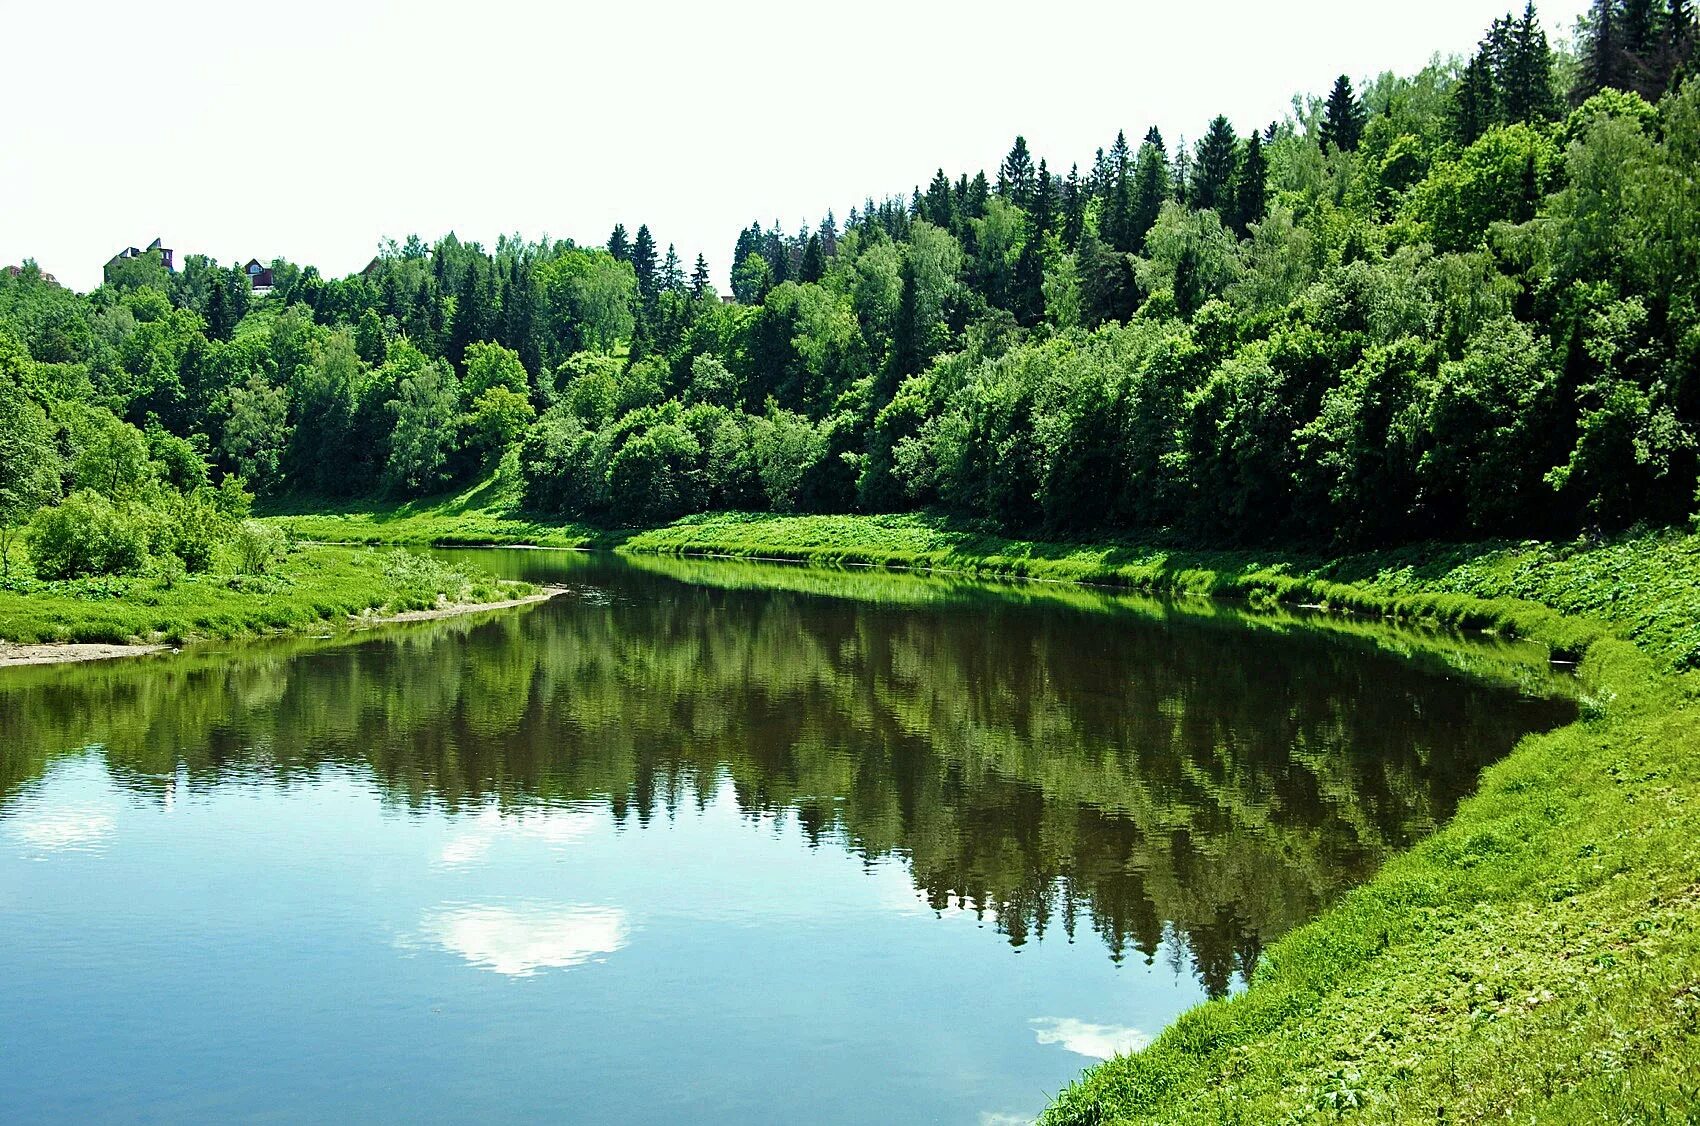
86,536
258,547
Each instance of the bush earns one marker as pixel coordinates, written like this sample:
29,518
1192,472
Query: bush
87,536
258,546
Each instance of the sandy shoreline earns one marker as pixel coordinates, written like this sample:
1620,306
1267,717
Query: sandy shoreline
455,611
53,653
66,652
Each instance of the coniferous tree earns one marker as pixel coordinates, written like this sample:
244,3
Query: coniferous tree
699,277
1016,176
1150,189
829,235
1680,37
1073,208
1474,100
463,330
1525,87
939,207
1602,63
672,272
1213,173
619,245
813,267
1250,186
1343,119
643,263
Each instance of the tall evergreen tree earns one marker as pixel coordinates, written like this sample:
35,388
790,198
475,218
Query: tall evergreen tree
1474,100
643,263
1602,52
1016,176
1250,186
1343,119
939,207
1150,189
1213,173
1073,208
813,267
1526,85
672,278
699,277
619,245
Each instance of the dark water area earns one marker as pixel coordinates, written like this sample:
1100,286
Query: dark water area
703,842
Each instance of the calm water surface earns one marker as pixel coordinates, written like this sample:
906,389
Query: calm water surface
693,842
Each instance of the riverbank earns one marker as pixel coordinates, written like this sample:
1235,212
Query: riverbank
311,587
1537,958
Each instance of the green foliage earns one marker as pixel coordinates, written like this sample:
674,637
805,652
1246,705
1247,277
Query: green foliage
86,535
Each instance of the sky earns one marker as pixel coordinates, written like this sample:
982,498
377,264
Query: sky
314,130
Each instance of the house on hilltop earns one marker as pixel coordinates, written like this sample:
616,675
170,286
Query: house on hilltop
260,277
167,257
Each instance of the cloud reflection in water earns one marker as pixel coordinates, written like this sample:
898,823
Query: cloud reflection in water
519,941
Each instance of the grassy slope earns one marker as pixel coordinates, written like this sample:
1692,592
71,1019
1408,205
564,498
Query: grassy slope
312,586
1537,959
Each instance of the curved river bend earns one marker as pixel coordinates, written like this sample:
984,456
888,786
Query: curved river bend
700,842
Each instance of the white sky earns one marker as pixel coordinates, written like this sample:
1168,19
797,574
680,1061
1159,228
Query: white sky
315,128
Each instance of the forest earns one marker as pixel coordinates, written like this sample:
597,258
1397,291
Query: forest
1453,305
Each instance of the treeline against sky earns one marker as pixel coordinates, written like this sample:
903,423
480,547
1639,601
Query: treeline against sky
1454,304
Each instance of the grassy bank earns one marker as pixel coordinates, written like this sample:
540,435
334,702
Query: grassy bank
311,586
1537,959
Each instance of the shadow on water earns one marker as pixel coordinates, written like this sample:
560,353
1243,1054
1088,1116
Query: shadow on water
1053,758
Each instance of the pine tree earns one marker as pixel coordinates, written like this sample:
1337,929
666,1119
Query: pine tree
1044,209
1474,100
1343,120
1526,90
1015,175
619,245
905,337
1250,186
672,273
463,330
699,277
1150,189
829,235
939,208
1680,37
813,267
1602,63
643,263
1073,208
1212,175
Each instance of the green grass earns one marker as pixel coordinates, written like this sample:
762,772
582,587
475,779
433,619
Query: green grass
313,586
1538,959
480,515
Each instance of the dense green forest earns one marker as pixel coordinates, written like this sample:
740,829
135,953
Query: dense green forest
1447,305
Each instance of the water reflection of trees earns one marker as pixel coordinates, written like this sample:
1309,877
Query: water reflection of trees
1045,765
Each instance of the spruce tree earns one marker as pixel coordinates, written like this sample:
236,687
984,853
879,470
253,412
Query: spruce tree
672,273
939,207
1015,175
619,245
643,263
1073,208
699,277
814,261
1680,36
1150,189
1343,120
1473,100
1526,90
1602,63
1250,186
463,330
1213,173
